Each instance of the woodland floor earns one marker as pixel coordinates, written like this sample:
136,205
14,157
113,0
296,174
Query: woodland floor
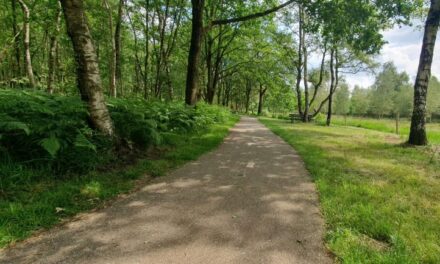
249,201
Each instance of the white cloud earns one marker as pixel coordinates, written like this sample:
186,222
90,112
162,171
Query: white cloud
403,48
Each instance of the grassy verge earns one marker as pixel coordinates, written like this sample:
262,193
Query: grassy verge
388,125
379,199
41,204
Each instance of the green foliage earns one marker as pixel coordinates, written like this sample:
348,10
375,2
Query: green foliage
37,128
342,100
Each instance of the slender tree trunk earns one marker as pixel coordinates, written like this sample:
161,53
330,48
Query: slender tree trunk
248,95
26,42
112,61
118,47
209,42
418,131
16,38
221,49
169,83
299,66
305,79
194,52
138,67
53,51
261,94
332,84
334,71
147,47
88,76
175,27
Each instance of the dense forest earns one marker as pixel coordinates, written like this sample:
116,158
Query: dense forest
142,49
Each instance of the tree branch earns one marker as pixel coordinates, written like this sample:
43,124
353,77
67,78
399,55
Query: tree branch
252,16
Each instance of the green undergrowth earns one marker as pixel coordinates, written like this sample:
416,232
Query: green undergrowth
53,166
380,200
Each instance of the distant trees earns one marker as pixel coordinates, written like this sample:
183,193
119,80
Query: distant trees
360,101
391,95
342,100
433,103
389,86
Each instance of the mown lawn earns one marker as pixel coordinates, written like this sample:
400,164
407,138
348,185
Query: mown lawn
42,204
380,200
388,125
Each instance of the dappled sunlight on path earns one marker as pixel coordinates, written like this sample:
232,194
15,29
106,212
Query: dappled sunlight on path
250,201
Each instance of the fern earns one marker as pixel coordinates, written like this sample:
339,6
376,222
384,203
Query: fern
51,145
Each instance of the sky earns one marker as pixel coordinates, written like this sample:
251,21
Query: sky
403,48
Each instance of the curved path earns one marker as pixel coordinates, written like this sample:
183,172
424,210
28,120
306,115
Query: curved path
249,201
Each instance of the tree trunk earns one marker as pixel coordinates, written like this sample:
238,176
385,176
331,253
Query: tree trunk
305,78
53,51
418,131
161,53
261,93
334,71
194,52
88,76
118,47
209,42
138,67
26,43
332,84
16,38
299,66
248,95
147,47
112,61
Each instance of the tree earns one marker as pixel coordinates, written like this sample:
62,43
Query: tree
388,85
360,101
417,134
88,76
113,54
53,49
26,43
197,32
342,100
261,93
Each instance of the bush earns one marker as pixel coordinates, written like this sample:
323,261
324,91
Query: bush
41,130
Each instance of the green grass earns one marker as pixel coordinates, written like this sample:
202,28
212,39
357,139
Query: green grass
37,204
380,200
388,125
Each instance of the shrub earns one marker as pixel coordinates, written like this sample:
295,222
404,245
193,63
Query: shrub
41,130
